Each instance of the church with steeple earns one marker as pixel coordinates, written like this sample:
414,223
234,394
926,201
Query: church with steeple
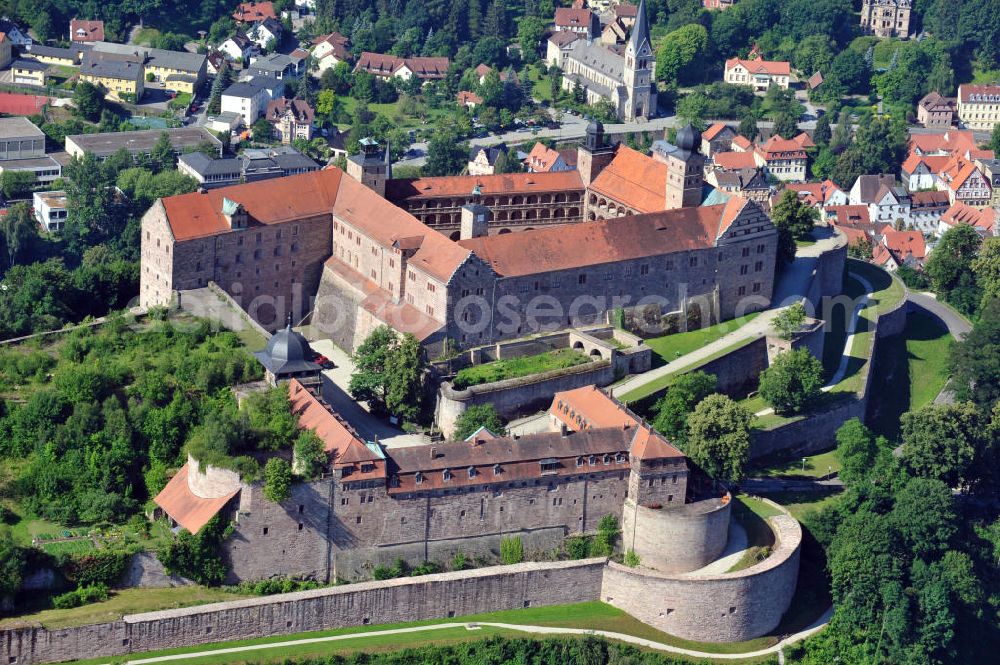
622,76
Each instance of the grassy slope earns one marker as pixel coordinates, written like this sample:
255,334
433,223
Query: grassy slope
671,347
517,367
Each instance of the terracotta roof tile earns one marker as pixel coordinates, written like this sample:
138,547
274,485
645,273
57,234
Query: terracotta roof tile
633,179
568,17
716,129
814,193
771,68
934,163
251,12
742,142
732,161
967,90
905,243
86,31
961,213
507,183
541,158
186,508
850,215
601,241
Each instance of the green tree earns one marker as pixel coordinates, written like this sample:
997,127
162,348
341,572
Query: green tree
815,53
162,155
17,184
975,361
88,100
446,154
310,458
404,375
476,416
786,125
262,131
986,267
683,395
718,437
822,134
940,441
277,480
20,232
856,450
994,144
529,34
748,126
681,55
789,320
197,556
12,563
792,383
371,360
794,221
950,264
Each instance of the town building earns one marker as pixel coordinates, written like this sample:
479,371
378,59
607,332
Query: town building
52,55
50,210
252,12
543,159
886,18
214,60
626,81
937,112
735,160
614,33
965,183
22,148
292,119
29,72
329,50
990,168
923,171
19,38
717,138
389,66
926,209
979,106
983,220
895,249
785,159
141,142
179,71
239,47
276,162
579,20
717,4
749,183
266,33
887,202
86,31
209,172
483,159
558,47
249,99
758,73
468,99
117,74
819,194
279,66
853,221
6,51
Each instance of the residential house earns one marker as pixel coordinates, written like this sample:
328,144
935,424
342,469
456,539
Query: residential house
19,38
482,70
614,33
927,208
209,172
935,111
984,221
279,66
758,73
954,142
292,118
742,144
581,21
52,55
749,183
626,13
86,31
179,71
543,159
118,74
213,62
227,122
814,81
979,106
240,47
468,99
6,50
717,4
819,195
853,221
265,33
483,159
248,99
734,161
29,72
389,66
923,171
965,183
253,12
329,50
22,148
887,202
717,138
886,18
895,249
785,159
558,47
990,168
50,210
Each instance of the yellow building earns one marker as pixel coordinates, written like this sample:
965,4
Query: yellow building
179,71
979,106
53,55
29,72
118,74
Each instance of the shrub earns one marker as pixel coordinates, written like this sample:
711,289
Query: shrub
511,550
577,547
459,561
631,559
81,596
277,480
426,568
606,538
101,568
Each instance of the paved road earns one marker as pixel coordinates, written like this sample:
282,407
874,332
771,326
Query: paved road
764,485
536,630
957,324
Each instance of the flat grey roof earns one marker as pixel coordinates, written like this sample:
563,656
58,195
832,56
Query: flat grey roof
33,65
204,165
19,127
30,163
142,140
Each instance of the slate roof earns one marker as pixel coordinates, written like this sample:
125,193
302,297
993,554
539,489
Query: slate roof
157,57
112,65
205,166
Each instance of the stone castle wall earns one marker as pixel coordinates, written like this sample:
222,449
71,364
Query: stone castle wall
677,540
393,601
728,607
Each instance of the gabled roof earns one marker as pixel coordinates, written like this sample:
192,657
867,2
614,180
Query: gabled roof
984,220
979,94
468,97
86,31
605,241
385,65
542,158
932,198
568,17
957,172
299,108
715,130
770,68
950,142
933,101
564,37
932,163
742,142
815,193
339,45
732,161
904,244
251,12
869,186
851,215
187,508
634,180
508,183
777,147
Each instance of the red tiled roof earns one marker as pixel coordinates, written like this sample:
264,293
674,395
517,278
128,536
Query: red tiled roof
564,37
851,215
814,193
780,148
604,241
716,129
541,158
626,10
961,213
252,12
339,44
932,198
905,243
957,172
466,97
771,68
185,507
967,90
483,69
804,140
568,17
86,31
934,163
633,179
952,141
733,161
15,104
742,142
507,183
385,65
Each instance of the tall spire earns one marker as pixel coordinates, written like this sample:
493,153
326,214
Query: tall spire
640,31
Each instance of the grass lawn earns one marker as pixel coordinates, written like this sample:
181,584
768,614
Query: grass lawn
541,88
394,112
917,359
801,504
671,347
747,504
125,601
517,367
251,339
752,515
814,466
145,36
662,383
592,615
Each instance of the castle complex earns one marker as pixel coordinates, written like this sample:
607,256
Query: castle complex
357,252
886,18
425,503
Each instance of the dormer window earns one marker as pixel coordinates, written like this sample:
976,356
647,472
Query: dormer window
446,475
472,472
607,459
592,460
419,478
367,467
497,470
579,461
620,458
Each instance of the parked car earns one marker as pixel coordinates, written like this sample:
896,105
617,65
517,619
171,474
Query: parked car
324,362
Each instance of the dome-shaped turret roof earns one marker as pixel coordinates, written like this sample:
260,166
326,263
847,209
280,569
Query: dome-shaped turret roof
595,127
287,351
688,138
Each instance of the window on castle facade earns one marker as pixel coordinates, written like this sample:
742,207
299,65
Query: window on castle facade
644,269
430,310
694,261
757,267
582,279
756,287
742,291
744,269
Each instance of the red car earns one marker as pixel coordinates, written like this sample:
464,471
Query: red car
324,362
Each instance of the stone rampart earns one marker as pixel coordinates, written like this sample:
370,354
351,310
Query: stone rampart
677,540
211,482
727,607
392,601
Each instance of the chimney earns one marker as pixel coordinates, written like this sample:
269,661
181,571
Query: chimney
434,452
563,430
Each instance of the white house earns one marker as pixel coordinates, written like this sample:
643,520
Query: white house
239,47
247,99
16,36
758,74
265,32
330,50
887,202
50,210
